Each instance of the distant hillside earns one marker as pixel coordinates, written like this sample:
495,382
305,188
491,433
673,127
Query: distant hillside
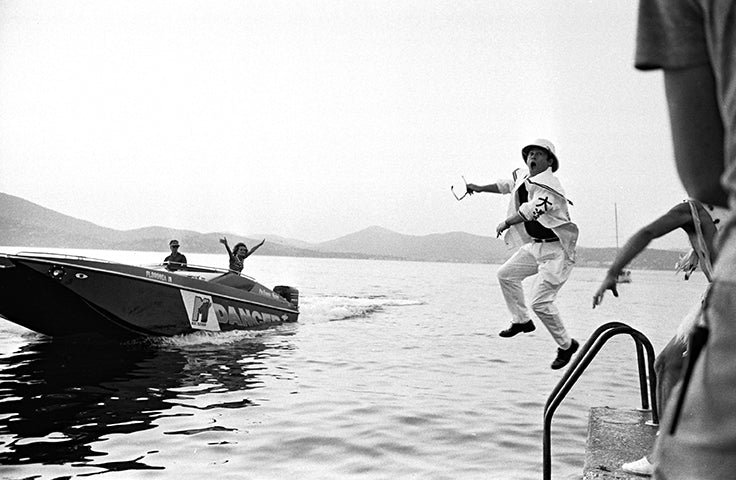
446,247
26,224
284,241
650,259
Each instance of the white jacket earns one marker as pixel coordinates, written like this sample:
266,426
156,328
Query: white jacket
547,204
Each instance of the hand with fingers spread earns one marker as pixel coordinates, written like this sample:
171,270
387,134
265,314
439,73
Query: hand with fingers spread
608,283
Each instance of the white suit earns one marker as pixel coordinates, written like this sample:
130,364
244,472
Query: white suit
552,262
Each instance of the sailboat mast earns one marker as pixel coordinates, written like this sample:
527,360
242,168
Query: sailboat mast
623,276
615,215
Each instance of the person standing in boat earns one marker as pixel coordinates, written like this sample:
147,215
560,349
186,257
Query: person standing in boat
176,260
239,253
699,222
539,225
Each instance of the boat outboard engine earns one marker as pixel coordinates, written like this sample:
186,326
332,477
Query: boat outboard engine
289,293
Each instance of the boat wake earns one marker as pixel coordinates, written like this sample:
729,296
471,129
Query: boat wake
205,338
313,309
330,308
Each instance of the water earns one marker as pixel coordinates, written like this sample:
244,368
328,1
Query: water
394,370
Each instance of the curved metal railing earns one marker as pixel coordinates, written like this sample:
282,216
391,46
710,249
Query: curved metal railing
581,362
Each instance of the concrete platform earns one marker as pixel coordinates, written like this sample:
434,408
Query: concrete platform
616,436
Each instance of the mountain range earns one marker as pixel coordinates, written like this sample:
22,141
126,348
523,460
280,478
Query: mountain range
26,224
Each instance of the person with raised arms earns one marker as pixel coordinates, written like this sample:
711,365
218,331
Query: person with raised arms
239,253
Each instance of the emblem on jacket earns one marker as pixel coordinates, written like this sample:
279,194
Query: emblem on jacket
541,207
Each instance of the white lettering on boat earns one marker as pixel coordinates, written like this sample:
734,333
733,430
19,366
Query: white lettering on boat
159,276
268,293
244,317
206,313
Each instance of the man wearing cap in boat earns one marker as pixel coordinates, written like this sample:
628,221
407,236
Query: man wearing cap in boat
538,224
176,260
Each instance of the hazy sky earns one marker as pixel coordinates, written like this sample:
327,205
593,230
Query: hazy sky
314,119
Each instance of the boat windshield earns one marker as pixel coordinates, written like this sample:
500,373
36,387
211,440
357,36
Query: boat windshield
220,276
210,274
61,256
232,279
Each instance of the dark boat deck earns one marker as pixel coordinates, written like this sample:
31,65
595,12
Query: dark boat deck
616,436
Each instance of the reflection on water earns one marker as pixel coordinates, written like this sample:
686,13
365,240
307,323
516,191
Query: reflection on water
411,382
58,399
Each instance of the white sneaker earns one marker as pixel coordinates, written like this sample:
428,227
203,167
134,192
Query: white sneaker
639,467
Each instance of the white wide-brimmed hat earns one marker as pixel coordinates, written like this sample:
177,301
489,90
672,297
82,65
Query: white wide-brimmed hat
545,145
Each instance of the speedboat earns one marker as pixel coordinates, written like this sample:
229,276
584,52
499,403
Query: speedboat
65,295
624,276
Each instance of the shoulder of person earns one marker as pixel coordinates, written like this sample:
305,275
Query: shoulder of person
519,174
686,209
546,179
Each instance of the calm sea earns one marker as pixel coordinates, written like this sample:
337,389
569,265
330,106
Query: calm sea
394,370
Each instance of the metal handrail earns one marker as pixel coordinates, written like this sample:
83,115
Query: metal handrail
577,368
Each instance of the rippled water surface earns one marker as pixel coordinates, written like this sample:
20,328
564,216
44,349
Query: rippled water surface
394,370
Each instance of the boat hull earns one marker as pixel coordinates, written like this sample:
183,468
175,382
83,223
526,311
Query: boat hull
78,296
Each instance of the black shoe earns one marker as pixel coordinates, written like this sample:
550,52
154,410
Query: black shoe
564,356
517,328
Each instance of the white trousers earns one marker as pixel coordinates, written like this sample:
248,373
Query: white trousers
552,269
